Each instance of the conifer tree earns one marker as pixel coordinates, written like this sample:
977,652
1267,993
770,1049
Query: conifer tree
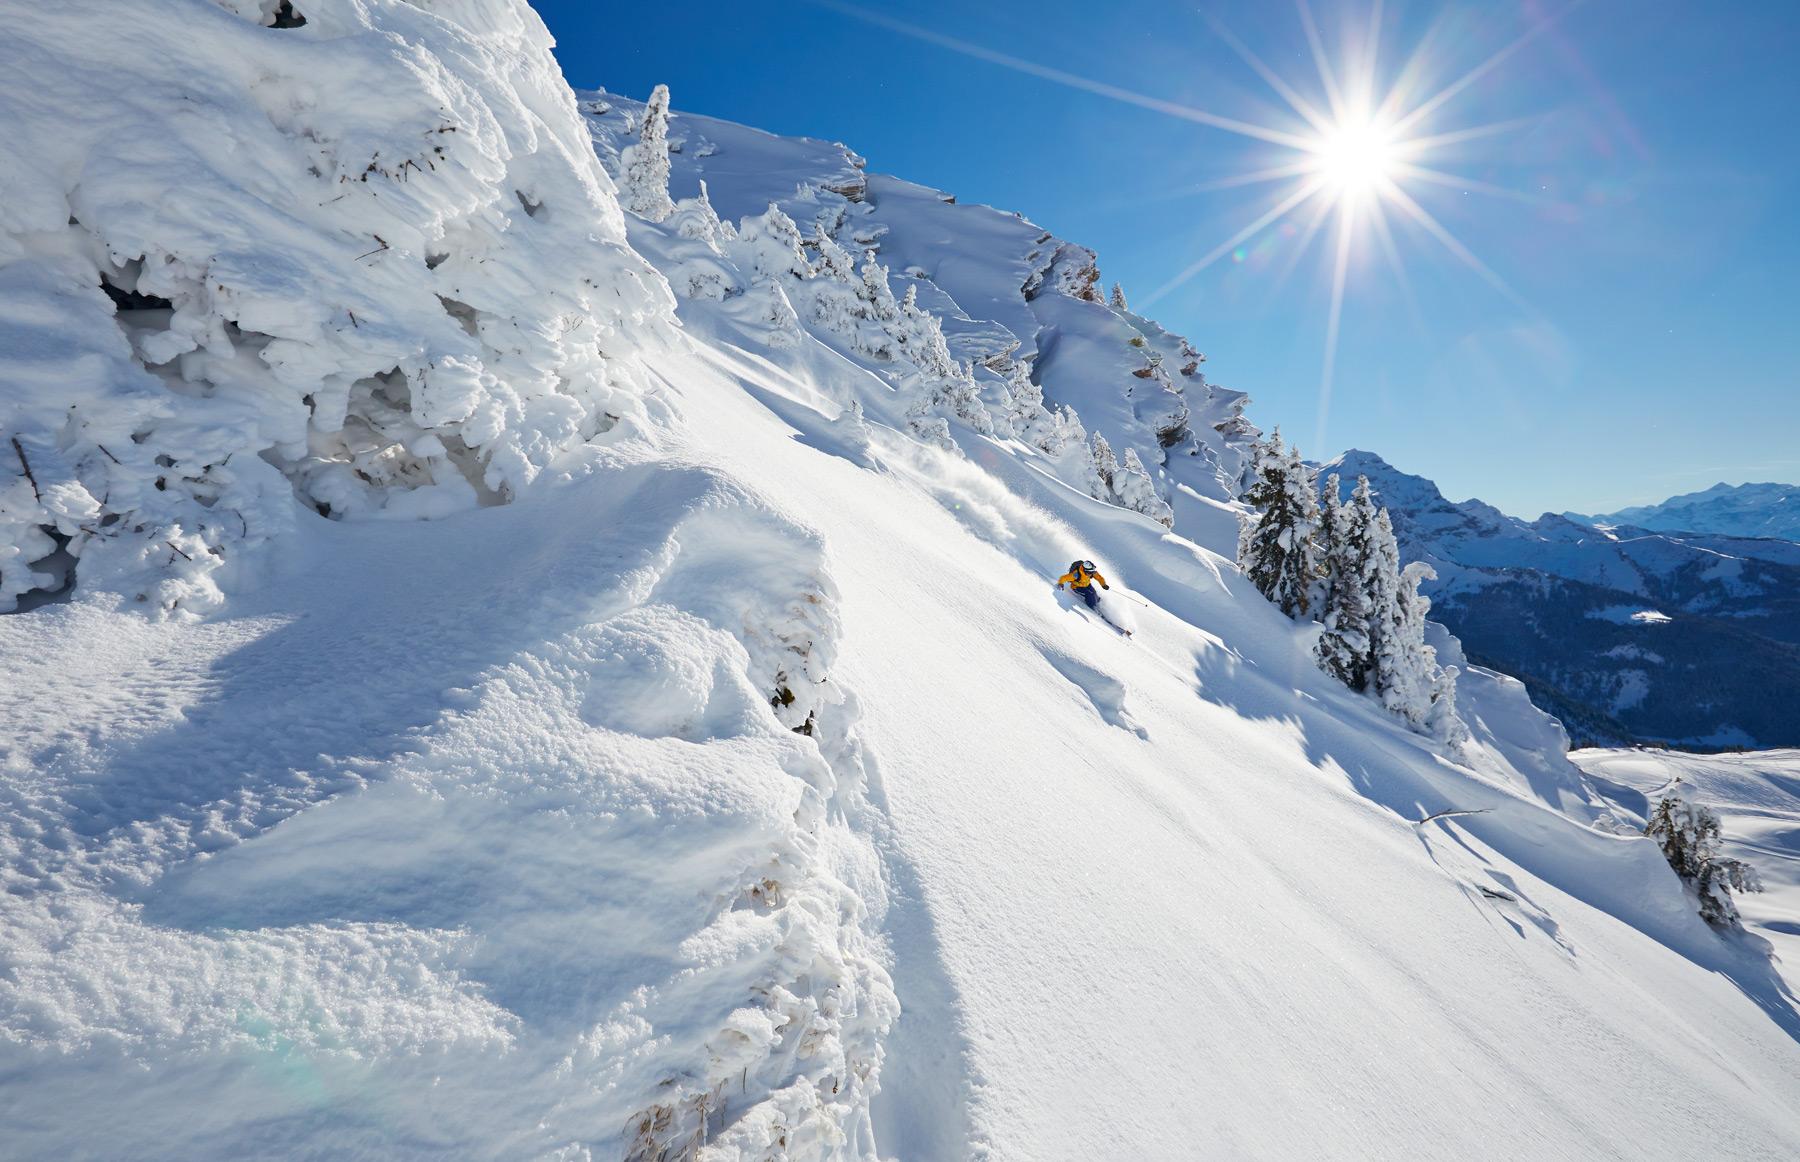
695,218
1330,533
1103,468
1344,529
646,163
1259,452
833,261
1441,721
1026,413
772,248
1381,583
1405,665
1135,490
1690,837
1118,299
776,248
876,293
1277,549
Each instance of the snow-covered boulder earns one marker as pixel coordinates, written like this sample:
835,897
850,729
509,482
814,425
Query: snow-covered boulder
256,262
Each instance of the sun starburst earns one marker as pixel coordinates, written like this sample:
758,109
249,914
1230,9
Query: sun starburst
1362,157
1357,157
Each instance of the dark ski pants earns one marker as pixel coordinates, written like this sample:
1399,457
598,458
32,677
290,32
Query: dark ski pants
1091,595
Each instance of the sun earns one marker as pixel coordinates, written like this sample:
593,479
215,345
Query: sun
1356,158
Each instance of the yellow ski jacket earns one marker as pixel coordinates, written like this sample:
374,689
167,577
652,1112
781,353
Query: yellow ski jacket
1081,579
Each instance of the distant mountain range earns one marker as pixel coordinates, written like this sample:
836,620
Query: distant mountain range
1740,510
1629,634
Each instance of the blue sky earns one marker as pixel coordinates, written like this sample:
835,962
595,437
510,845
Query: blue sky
1640,219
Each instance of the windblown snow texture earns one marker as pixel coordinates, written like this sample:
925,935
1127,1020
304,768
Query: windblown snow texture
716,775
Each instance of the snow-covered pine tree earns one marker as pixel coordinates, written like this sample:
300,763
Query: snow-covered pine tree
770,245
1277,549
1330,531
834,261
1407,666
1690,837
646,163
774,245
1033,421
1103,469
1070,432
1381,585
699,275
928,426
876,292
1118,298
695,218
1442,721
1259,452
1343,648
1136,491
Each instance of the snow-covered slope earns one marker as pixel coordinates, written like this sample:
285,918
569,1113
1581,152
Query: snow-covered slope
731,784
1742,510
1625,633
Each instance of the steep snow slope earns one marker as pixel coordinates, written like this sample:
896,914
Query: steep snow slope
616,821
1743,510
1626,634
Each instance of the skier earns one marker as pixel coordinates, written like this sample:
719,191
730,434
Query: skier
1082,576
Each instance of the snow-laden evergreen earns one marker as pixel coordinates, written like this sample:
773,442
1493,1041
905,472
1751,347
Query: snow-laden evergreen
645,180
1103,469
1029,419
1372,616
1133,489
1344,649
1278,550
1690,836
1404,664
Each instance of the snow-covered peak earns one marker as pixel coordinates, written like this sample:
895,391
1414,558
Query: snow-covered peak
1741,510
1419,510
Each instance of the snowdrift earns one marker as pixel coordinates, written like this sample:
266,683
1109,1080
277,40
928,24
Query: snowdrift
716,774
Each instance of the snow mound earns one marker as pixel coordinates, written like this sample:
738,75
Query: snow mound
671,916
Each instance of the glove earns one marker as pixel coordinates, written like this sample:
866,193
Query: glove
1106,587
1059,584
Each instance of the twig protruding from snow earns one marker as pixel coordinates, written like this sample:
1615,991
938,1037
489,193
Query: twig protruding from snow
19,448
1451,813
